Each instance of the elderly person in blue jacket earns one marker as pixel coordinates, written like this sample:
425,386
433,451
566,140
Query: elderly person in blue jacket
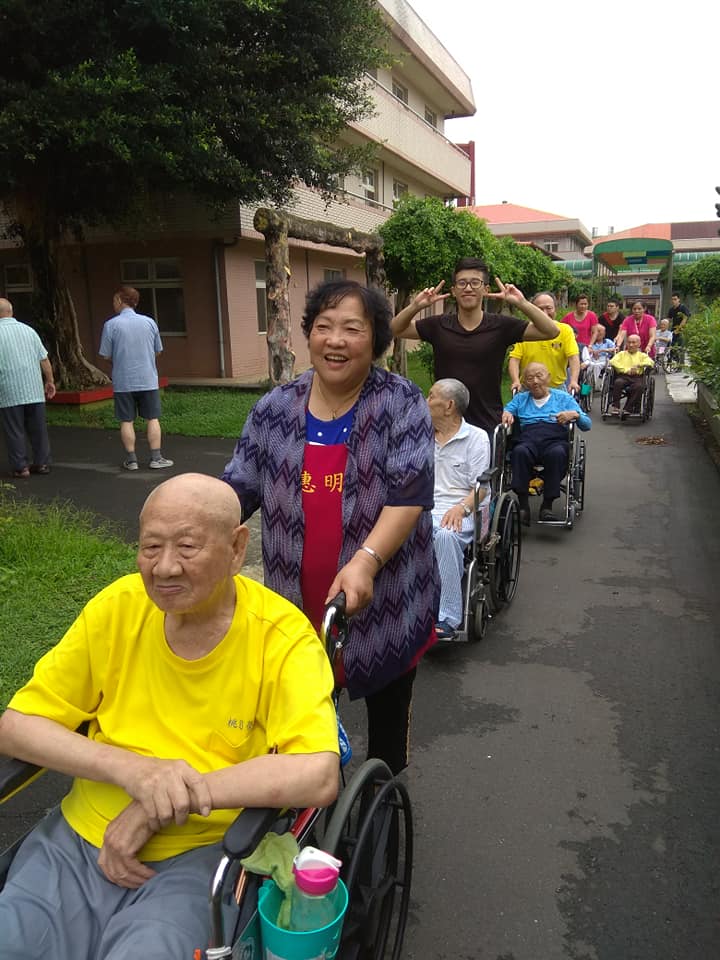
341,460
544,415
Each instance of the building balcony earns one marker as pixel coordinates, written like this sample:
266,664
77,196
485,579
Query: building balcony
415,147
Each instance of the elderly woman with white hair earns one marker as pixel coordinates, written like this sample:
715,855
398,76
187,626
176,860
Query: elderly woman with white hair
462,454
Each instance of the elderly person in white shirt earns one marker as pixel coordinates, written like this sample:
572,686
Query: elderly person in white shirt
462,454
595,358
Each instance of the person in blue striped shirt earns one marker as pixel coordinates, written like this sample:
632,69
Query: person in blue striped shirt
24,365
543,415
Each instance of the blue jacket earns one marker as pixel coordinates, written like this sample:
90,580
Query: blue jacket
523,408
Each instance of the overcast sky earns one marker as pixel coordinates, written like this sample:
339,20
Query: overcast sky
607,112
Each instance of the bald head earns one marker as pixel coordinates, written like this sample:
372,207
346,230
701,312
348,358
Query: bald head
6,308
214,500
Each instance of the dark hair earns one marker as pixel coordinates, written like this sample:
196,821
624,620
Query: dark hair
128,295
581,296
471,263
613,300
375,304
636,302
675,294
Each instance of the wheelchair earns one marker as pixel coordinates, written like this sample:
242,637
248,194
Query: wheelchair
492,558
572,488
647,397
669,360
369,828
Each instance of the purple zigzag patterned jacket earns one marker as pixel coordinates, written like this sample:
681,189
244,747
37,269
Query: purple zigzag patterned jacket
390,463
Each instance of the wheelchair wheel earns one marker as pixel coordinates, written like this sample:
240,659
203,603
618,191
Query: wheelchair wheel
578,477
371,831
605,394
478,611
505,562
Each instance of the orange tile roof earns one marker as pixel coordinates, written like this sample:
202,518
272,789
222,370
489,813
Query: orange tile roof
512,213
657,231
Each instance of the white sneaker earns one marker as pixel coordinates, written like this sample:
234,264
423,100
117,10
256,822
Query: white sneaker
160,464
130,464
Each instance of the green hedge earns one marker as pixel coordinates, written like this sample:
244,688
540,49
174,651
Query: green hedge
702,337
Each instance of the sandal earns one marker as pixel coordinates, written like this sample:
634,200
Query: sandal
23,474
443,631
41,468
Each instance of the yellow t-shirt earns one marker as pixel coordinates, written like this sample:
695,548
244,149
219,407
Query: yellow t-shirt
266,685
553,353
624,361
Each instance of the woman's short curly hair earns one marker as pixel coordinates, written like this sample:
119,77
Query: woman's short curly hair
376,305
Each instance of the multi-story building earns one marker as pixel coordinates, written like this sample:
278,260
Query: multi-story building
204,280
563,237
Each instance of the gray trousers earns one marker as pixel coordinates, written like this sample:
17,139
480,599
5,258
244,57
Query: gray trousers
58,904
16,421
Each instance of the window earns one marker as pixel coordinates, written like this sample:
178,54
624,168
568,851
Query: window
329,274
399,91
159,283
430,117
400,190
369,184
19,290
260,296
551,246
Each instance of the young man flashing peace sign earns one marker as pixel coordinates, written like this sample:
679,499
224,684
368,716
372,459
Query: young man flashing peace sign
470,345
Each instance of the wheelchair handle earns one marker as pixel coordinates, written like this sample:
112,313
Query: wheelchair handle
334,617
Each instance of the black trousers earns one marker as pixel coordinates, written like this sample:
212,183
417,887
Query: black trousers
634,383
388,713
16,421
540,443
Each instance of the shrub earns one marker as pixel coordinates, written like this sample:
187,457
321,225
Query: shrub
702,336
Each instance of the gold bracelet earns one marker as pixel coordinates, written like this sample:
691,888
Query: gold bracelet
375,555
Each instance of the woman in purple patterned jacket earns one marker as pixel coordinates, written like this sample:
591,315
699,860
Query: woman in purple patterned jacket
341,461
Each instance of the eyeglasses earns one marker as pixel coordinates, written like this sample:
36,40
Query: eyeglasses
473,284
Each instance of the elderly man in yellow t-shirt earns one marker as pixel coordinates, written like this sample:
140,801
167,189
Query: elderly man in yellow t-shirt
203,692
560,355
628,366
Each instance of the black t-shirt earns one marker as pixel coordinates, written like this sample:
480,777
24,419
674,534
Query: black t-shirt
677,315
475,357
612,327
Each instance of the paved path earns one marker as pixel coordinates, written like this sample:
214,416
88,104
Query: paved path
565,772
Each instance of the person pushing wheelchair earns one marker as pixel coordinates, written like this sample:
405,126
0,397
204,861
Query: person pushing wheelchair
543,415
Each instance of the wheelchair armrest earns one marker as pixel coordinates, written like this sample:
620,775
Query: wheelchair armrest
247,830
488,476
14,775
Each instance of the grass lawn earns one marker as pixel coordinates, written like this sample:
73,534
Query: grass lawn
190,413
52,561
204,413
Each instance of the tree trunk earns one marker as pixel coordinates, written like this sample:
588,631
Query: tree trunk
281,359
398,360
276,227
56,316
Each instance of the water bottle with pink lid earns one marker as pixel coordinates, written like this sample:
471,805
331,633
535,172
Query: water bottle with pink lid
315,903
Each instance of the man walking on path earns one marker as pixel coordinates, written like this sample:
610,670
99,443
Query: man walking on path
131,342
470,346
679,316
23,365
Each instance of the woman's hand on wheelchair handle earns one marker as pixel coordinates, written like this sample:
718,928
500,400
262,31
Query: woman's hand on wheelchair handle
507,419
355,580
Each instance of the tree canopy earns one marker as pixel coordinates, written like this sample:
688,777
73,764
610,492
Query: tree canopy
104,104
423,239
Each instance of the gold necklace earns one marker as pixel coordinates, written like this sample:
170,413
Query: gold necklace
350,399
